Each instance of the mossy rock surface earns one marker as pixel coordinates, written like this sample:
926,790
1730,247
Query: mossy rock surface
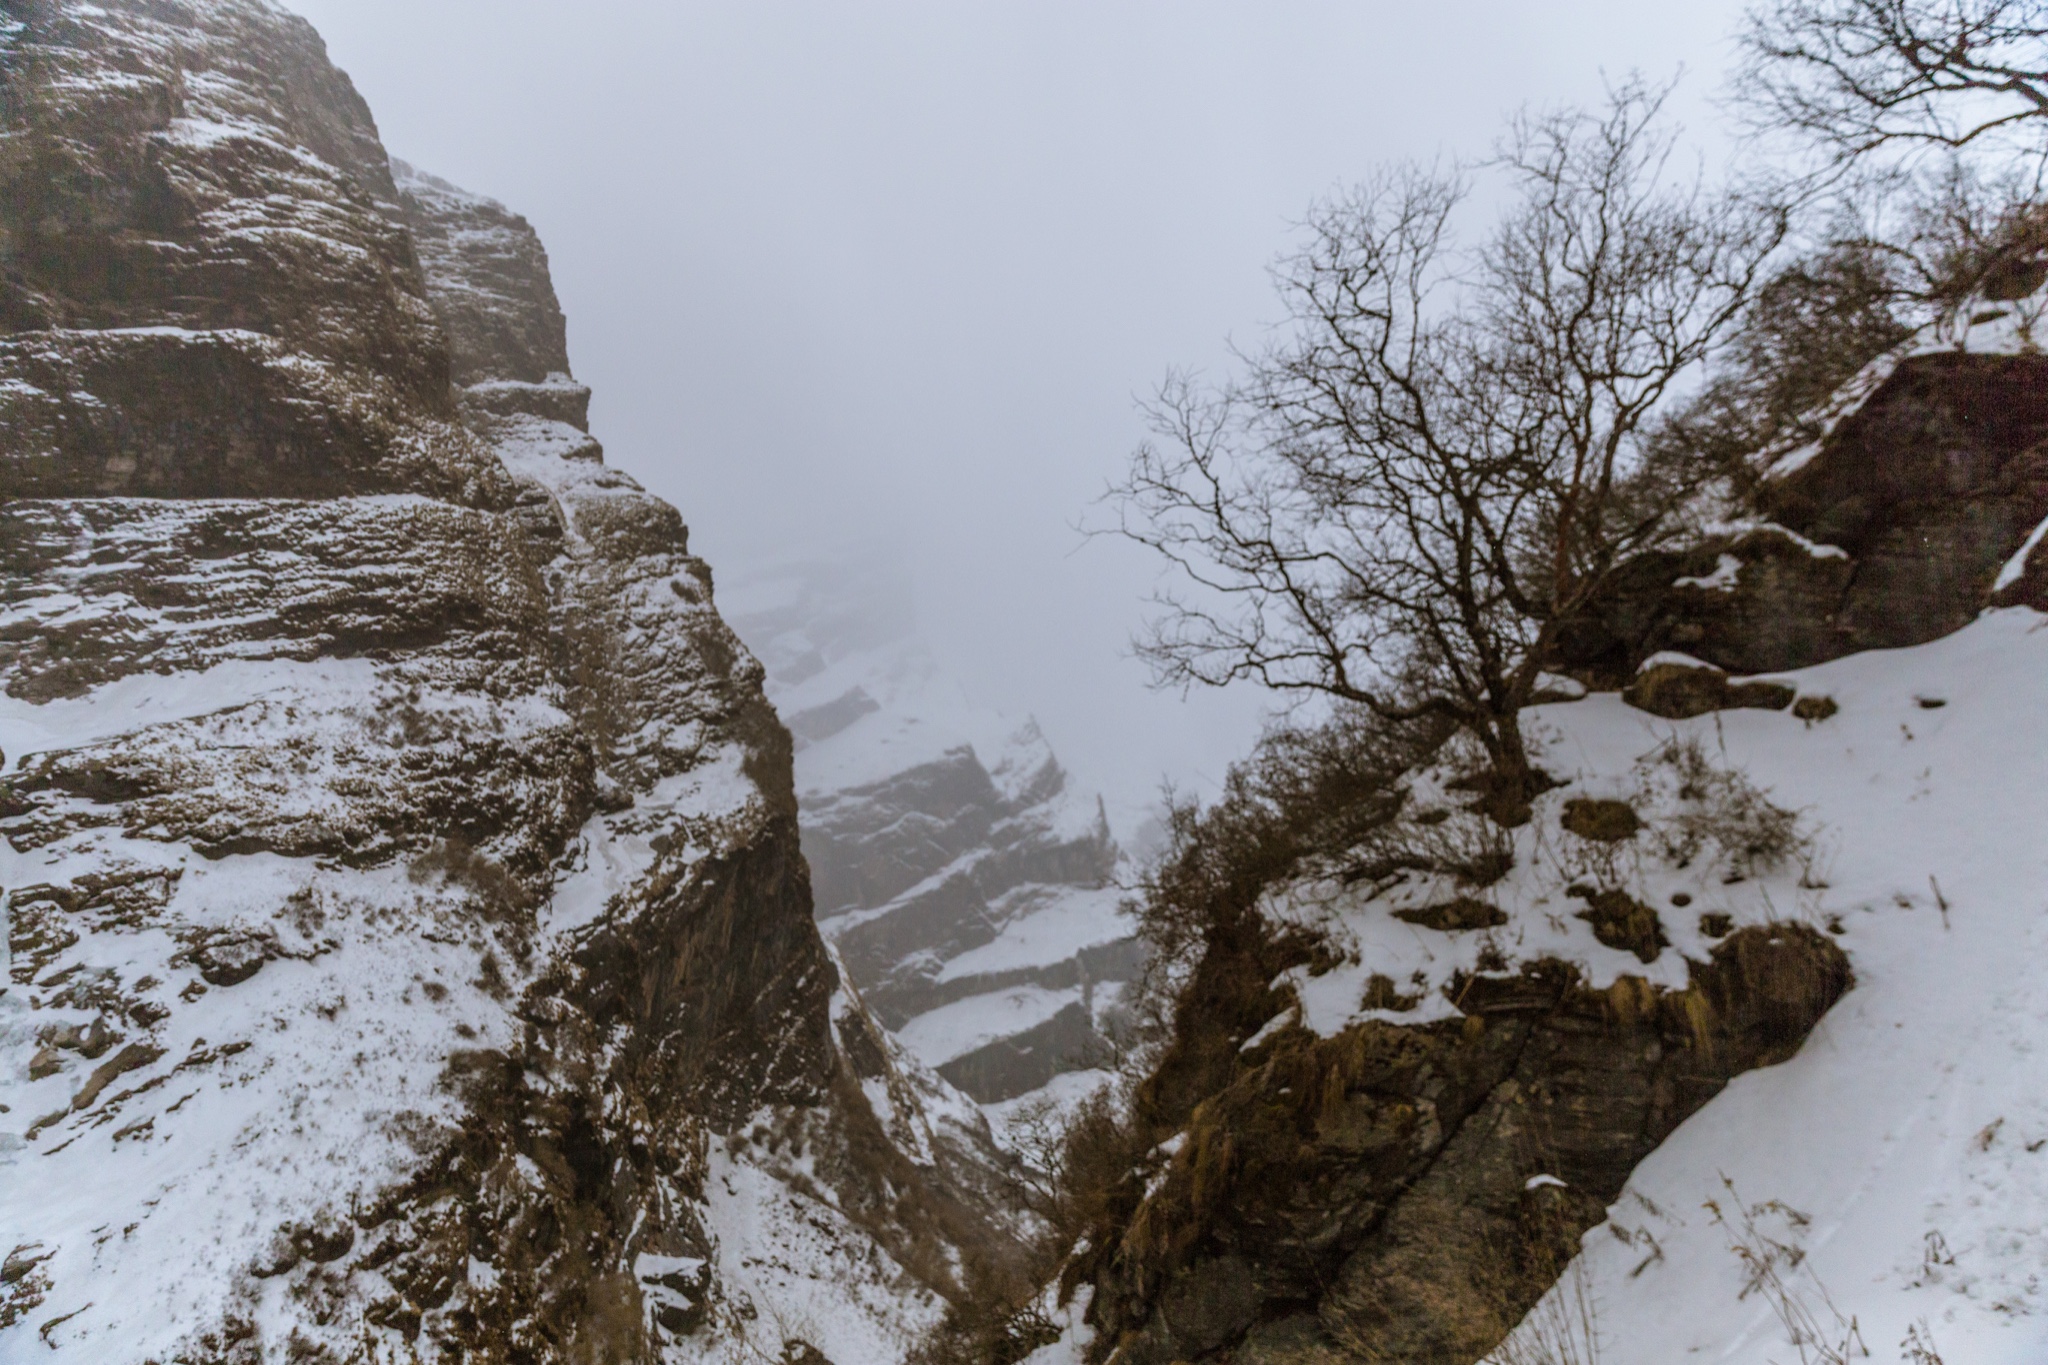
1606,822
1621,921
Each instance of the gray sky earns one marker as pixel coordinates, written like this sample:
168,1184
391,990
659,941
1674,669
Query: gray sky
887,271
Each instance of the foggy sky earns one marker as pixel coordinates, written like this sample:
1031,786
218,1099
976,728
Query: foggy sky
853,271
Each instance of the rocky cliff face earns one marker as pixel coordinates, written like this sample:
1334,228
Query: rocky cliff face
410,945
1398,1097
1913,512
969,891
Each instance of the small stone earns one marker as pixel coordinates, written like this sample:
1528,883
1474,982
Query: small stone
1814,709
47,1062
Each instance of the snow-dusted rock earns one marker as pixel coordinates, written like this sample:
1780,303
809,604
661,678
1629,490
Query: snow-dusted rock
969,889
409,944
1915,511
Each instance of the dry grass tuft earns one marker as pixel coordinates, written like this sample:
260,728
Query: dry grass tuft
1774,1266
1722,810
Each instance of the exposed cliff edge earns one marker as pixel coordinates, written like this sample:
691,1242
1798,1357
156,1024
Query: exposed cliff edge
410,944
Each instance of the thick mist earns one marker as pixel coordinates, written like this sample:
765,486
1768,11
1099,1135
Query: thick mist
894,274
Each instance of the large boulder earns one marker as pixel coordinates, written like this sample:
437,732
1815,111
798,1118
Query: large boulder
1895,529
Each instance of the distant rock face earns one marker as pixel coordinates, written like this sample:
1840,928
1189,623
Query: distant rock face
1893,531
409,941
968,891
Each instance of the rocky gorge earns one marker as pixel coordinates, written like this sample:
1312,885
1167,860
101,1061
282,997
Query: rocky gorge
434,934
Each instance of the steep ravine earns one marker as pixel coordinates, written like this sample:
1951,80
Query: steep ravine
410,947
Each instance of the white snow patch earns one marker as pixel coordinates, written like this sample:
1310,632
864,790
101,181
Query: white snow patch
1724,578
938,1036
1073,920
2013,568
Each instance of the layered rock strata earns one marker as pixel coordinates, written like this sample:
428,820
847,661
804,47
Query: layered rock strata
969,890
410,944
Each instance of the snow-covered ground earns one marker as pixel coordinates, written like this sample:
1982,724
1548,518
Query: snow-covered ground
1906,1147
1900,1161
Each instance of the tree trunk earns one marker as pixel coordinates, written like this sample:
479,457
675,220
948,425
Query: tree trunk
1514,780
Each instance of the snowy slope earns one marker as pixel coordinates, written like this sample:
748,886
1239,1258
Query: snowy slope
1891,1179
1911,1132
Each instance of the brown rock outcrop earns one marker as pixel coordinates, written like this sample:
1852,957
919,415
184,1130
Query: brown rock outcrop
1406,1193
1891,533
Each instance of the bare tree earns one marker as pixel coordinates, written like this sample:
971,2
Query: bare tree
1403,501
1861,75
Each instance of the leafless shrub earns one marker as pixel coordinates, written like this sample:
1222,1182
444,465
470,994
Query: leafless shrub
1721,809
1309,794
1917,1347
1474,850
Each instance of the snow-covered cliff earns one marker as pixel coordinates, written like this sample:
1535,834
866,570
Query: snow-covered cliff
1729,1052
410,949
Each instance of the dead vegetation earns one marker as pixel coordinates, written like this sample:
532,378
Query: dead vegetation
499,896
1563,1329
1719,810
1765,1239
